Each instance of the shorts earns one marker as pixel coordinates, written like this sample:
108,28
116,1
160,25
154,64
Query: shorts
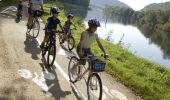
48,34
86,51
36,13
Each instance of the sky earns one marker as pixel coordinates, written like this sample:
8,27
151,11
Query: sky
140,4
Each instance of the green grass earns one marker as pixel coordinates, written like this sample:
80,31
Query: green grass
4,3
147,79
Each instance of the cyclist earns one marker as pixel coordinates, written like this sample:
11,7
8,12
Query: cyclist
51,24
67,26
19,8
88,37
35,9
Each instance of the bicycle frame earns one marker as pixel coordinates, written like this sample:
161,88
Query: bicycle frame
87,70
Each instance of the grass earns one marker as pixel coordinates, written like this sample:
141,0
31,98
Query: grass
149,80
4,3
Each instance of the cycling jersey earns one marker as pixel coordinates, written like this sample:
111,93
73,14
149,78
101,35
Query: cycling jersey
67,25
52,23
88,39
19,7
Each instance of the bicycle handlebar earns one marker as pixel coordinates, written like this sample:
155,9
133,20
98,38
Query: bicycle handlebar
105,56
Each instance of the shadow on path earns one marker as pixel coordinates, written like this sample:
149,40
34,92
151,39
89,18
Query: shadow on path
32,47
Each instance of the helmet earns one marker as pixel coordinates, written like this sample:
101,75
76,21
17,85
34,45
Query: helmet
94,22
55,10
70,15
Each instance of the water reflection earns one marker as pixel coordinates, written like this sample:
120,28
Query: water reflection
157,48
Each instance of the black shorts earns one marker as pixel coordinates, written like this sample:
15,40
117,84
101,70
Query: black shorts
86,51
36,13
47,33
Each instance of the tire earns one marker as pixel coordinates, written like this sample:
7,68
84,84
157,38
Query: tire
94,85
17,20
71,43
35,28
60,38
28,31
76,71
51,55
43,52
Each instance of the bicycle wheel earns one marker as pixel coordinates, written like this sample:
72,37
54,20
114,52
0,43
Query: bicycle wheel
61,36
71,43
17,19
94,87
44,51
51,55
36,28
73,71
28,31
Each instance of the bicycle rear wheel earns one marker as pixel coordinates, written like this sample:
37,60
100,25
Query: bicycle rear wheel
36,28
94,87
73,71
51,55
44,50
71,43
61,37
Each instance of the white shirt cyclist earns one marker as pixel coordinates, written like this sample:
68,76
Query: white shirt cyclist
36,4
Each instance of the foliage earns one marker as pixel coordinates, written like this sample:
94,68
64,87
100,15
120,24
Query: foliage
6,2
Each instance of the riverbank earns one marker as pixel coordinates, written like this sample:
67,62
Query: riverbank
149,80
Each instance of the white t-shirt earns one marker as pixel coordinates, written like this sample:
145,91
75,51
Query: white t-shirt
36,4
88,39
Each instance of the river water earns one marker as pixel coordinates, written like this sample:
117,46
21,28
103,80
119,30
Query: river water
132,38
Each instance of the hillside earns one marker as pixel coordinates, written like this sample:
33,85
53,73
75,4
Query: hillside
157,6
113,3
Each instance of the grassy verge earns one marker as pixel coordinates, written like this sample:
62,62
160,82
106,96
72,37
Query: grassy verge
4,3
147,79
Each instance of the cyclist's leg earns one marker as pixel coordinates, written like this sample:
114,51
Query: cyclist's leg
30,18
45,39
81,61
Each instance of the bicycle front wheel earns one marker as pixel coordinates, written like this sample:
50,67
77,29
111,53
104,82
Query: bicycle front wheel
51,55
36,28
73,70
43,51
71,43
94,87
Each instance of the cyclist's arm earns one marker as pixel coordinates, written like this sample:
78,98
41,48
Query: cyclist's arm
80,45
99,44
61,27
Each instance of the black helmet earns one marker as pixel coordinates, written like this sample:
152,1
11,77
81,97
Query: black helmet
55,10
94,22
70,15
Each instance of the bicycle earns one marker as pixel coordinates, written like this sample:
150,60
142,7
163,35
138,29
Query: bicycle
18,17
94,83
35,26
50,46
69,38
